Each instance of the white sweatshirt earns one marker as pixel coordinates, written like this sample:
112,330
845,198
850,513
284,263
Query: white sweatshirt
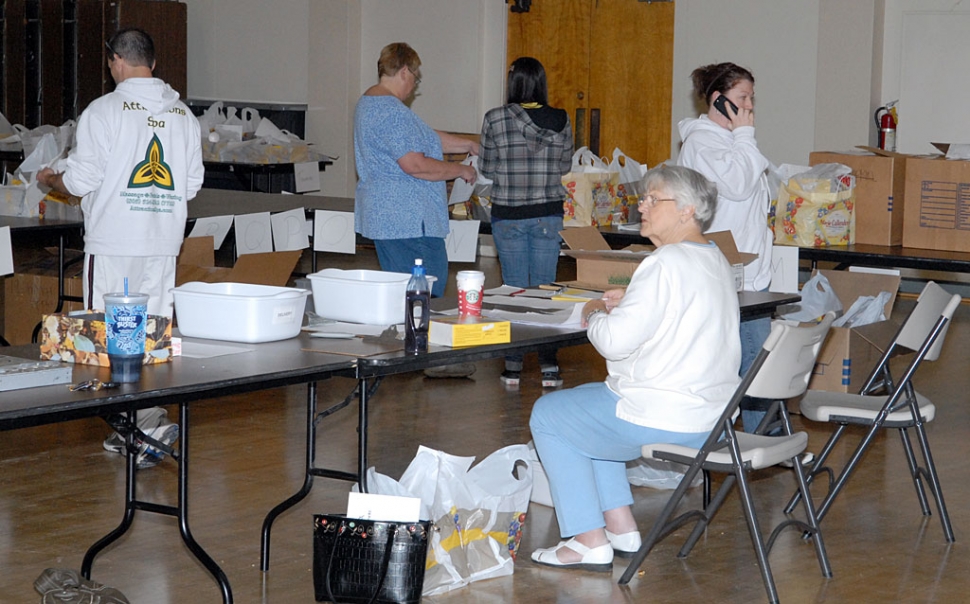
137,162
671,346
733,162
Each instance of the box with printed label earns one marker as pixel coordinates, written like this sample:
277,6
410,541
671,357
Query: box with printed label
462,331
880,178
937,212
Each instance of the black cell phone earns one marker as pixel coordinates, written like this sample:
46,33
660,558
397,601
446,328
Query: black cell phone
721,101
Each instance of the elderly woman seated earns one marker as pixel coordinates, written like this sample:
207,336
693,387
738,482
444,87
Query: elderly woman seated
672,355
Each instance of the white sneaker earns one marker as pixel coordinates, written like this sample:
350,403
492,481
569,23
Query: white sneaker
145,419
596,559
149,456
808,458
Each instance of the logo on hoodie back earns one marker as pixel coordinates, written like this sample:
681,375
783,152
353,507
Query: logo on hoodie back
152,171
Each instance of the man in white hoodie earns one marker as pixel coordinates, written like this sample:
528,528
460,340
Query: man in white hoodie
136,164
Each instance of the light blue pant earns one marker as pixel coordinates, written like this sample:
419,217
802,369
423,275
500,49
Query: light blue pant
584,448
398,255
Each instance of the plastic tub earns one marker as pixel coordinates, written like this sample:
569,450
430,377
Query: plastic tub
360,296
239,312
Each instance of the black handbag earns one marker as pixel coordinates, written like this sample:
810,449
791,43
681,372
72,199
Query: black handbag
366,561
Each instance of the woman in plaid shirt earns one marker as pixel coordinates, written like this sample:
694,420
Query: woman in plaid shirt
526,149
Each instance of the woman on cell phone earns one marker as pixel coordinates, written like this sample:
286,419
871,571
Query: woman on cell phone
720,144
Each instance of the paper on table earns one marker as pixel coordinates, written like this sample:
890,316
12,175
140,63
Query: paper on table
462,240
509,290
358,329
333,231
253,233
194,349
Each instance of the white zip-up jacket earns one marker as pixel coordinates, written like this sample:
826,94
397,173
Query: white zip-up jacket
136,163
732,161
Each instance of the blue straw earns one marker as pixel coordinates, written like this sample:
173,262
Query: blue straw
126,287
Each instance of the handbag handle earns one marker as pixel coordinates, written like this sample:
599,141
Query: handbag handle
385,563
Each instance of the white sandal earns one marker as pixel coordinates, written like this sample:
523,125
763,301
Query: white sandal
597,559
625,544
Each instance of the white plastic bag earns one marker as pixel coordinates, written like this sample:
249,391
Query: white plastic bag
657,474
818,298
865,310
478,511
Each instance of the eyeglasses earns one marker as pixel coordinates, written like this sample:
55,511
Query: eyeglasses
111,51
417,76
650,201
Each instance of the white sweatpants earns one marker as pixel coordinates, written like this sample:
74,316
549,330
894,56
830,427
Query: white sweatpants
152,275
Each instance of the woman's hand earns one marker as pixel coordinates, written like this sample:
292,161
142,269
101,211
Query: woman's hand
611,299
735,119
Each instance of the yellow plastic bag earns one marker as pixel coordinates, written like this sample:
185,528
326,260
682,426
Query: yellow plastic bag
816,208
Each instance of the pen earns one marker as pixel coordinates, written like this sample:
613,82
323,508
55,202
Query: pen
517,292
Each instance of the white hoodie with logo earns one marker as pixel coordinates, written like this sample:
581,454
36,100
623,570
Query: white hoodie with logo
731,160
136,163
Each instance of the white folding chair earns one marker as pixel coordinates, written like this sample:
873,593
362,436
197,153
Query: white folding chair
885,403
781,371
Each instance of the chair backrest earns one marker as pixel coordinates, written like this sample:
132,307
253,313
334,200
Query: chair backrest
792,351
934,302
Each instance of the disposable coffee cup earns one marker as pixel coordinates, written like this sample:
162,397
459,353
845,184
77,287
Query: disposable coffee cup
471,285
125,317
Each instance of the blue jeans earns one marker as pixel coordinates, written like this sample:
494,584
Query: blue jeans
753,336
398,256
584,448
528,249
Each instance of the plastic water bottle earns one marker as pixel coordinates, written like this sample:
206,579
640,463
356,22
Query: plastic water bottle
417,311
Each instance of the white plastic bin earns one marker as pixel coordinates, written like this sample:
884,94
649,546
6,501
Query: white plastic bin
360,296
239,312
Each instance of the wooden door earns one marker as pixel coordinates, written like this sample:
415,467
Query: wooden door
556,32
631,77
609,64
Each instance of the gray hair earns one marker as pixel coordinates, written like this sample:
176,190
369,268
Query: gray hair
688,187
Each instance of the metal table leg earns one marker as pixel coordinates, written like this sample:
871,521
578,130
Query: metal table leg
181,511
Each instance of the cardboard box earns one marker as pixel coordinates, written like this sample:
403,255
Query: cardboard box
848,355
879,191
600,268
81,339
196,262
460,332
937,212
32,291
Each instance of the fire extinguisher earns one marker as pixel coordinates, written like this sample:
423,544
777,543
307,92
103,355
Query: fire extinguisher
886,123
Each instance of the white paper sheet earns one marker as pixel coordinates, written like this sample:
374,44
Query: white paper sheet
6,252
462,241
388,508
289,230
334,232
193,349
784,269
254,234
216,227
307,176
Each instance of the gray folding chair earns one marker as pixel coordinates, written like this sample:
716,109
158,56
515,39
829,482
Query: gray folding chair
885,403
781,371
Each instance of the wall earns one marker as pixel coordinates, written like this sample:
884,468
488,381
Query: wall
248,50
778,42
821,66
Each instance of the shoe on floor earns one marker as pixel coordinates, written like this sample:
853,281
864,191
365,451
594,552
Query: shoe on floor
808,458
510,379
145,419
551,379
596,559
149,456
458,370
625,544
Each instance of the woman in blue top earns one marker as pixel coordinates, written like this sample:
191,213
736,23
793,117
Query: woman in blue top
401,202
